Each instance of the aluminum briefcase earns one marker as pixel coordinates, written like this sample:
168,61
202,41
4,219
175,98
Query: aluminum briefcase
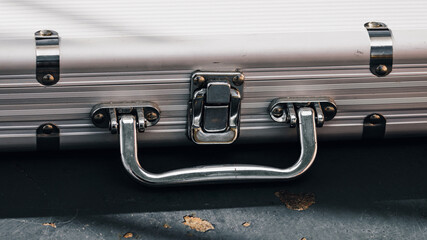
86,74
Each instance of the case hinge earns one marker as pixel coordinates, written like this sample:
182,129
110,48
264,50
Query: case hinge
47,57
381,61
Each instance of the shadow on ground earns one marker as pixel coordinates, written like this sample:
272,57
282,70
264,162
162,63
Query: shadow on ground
346,175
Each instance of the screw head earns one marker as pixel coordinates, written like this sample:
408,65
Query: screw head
381,69
151,116
99,118
239,79
45,33
375,25
329,112
199,80
277,111
48,78
375,118
47,129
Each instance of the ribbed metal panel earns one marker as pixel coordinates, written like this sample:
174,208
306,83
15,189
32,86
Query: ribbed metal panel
401,97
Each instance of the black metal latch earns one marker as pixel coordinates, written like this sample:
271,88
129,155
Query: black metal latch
214,107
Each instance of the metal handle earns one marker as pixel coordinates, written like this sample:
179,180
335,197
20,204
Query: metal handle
212,173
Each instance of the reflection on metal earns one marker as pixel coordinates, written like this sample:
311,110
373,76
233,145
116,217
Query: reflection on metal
381,62
215,173
47,57
214,107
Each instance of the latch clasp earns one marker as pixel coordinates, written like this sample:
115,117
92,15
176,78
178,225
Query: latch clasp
214,107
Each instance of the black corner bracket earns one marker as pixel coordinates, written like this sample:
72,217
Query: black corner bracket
374,126
47,137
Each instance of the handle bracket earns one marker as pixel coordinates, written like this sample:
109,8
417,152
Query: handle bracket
302,113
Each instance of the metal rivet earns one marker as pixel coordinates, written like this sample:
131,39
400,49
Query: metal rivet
381,69
199,80
238,80
374,25
47,129
277,111
151,116
48,78
45,33
99,118
375,118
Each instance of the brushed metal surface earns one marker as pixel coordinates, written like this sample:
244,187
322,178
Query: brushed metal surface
147,50
96,18
223,35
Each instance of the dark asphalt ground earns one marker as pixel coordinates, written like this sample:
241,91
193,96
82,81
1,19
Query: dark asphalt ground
363,190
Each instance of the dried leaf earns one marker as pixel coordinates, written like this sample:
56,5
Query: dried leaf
166,225
197,223
128,235
50,224
298,202
246,224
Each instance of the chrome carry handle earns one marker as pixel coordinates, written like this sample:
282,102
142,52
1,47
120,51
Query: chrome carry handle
308,115
129,155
